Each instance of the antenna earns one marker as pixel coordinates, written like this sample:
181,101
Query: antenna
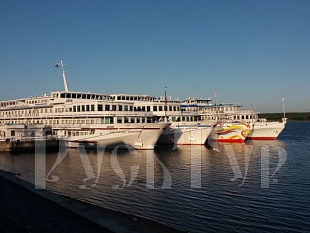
63,74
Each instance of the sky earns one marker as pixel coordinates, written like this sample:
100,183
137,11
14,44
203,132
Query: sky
252,52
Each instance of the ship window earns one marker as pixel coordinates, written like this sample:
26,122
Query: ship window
148,108
155,108
74,96
78,96
105,120
130,108
143,108
160,108
120,108
126,120
173,119
62,95
143,120
78,108
165,107
92,108
107,107
113,107
126,107
132,120
83,96
70,109
170,108
87,108
74,108
83,108
100,107
138,119
119,120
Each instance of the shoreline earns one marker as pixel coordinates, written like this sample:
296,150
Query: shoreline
26,209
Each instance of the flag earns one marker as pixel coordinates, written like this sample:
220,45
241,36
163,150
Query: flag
56,65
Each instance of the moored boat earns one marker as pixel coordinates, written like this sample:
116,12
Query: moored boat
187,133
265,130
231,132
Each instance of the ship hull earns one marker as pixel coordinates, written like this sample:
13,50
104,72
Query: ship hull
266,130
187,133
231,132
138,136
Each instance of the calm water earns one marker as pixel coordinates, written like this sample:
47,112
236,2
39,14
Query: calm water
223,199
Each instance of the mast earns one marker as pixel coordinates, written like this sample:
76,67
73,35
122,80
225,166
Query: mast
63,74
284,118
216,110
165,108
252,113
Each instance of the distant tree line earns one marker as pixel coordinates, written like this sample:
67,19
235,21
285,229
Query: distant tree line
292,116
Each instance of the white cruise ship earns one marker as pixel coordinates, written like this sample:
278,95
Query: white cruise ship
233,123
186,127
86,118
236,125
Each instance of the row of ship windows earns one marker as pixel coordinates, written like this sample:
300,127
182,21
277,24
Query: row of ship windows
212,109
5,104
103,120
102,97
100,107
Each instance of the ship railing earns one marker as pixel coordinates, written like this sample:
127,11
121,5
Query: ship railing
30,139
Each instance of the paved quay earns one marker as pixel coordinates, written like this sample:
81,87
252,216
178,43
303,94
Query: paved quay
26,209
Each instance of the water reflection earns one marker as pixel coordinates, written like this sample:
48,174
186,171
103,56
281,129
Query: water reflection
191,187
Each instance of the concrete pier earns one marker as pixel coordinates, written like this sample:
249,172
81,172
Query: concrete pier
26,209
11,146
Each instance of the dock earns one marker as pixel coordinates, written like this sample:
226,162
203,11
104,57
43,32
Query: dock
26,209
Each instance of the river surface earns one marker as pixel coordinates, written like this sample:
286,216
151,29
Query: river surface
256,186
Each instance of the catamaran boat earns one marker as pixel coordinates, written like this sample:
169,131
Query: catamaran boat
86,118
